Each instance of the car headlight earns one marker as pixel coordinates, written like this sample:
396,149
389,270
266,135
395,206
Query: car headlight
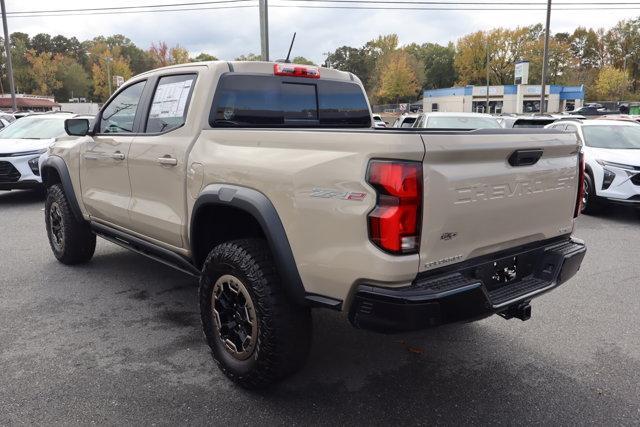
34,164
605,163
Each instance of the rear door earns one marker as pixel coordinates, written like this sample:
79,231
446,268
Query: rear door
104,175
488,190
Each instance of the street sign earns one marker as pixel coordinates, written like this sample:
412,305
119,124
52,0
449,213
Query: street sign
118,81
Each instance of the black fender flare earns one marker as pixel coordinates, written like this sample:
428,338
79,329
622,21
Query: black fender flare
57,163
262,210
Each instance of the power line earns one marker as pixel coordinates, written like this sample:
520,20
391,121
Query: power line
513,8
476,3
95,9
403,5
126,12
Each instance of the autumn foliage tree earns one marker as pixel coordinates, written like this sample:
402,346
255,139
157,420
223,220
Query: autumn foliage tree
44,69
399,78
611,84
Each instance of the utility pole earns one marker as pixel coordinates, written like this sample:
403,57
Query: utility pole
108,60
264,29
487,110
545,60
7,50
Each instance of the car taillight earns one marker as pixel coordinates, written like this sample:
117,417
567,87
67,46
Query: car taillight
394,224
581,167
291,70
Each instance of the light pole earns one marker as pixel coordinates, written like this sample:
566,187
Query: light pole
108,61
7,50
264,29
487,109
545,60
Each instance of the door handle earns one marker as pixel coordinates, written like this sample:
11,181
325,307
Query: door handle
117,156
167,161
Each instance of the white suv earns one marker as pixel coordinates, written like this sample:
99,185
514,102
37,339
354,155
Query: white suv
612,156
23,148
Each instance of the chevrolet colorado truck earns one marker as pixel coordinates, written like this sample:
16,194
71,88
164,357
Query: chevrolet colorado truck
268,182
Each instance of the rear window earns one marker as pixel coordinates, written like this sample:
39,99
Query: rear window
408,122
271,101
524,123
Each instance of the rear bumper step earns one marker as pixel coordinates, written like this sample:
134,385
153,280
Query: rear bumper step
474,291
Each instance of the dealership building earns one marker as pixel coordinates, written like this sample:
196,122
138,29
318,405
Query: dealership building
520,98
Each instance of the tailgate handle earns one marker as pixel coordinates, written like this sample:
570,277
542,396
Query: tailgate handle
525,157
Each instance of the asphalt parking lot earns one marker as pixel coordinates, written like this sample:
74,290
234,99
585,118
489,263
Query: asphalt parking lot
118,341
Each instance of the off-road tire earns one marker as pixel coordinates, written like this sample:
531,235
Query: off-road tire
283,328
73,242
592,204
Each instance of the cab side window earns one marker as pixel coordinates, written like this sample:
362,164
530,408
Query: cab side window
170,102
119,115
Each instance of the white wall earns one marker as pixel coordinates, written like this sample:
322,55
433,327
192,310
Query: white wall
80,107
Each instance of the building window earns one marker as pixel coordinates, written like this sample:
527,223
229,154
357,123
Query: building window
495,107
434,107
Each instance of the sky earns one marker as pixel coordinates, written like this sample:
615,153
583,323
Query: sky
228,33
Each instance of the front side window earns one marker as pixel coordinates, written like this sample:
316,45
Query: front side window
270,101
612,136
170,102
119,115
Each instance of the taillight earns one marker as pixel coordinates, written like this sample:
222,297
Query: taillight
394,224
581,167
291,70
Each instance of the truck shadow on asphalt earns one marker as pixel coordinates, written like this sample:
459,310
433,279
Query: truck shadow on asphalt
469,373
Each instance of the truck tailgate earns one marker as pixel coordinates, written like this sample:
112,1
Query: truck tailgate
480,197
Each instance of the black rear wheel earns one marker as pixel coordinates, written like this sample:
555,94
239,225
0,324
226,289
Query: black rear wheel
257,336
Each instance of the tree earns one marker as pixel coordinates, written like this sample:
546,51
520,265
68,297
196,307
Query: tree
438,62
355,61
44,68
75,80
103,57
249,57
611,84
623,47
203,57
178,55
398,78
42,43
471,59
302,60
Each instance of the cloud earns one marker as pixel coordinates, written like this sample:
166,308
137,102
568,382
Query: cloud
228,33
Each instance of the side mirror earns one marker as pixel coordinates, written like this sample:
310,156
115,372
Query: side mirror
76,127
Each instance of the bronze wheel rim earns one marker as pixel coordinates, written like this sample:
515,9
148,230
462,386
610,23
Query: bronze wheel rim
234,315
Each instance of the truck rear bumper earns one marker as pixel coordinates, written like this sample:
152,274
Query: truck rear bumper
470,290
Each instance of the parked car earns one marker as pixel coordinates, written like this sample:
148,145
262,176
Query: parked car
268,183
378,122
4,122
23,146
441,120
509,122
9,118
623,117
612,155
405,120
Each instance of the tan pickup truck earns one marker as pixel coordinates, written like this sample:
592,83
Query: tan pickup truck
268,182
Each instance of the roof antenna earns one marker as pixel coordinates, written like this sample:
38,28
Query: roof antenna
290,47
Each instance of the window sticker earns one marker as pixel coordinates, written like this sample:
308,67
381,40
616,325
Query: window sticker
170,99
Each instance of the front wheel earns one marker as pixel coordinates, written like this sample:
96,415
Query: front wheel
257,336
72,241
590,202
